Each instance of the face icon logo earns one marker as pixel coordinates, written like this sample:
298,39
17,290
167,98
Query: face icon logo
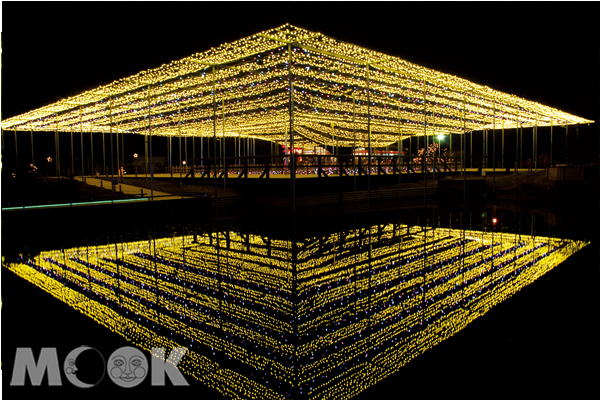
71,369
127,367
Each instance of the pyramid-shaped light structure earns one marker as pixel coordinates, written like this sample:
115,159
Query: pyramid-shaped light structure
339,92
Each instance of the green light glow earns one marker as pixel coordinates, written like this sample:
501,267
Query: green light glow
73,204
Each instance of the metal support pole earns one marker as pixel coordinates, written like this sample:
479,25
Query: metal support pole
463,151
194,160
215,130
180,161
149,133
521,147
503,159
566,144
104,172
32,157
81,135
332,143
56,150
224,144
145,137
577,142
399,154
551,126
494,152
517,159
369,133
171,158
180,164
487,148
337,148
285,149
118,157
151,170
484,150
517,149
72,157
291,130
354,138
112,165
92,169
535,147
122,152
16,151
471,152
425,137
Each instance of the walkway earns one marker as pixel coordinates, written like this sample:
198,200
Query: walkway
131,190
301,174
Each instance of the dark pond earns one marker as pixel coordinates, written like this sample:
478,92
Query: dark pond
420,301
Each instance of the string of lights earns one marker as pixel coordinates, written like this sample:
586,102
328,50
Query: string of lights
330,86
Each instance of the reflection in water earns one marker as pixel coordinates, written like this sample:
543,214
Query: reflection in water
317,318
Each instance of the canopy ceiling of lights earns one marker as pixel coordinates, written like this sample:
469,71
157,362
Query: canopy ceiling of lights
339,93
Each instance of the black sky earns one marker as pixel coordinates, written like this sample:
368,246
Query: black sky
545,52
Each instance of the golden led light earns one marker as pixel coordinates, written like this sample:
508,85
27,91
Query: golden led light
247,82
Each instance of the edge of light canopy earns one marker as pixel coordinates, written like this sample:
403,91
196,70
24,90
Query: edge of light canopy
251,84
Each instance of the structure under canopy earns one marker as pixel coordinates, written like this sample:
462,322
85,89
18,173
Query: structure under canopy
339,92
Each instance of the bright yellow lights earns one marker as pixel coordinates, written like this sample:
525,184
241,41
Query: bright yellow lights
251,82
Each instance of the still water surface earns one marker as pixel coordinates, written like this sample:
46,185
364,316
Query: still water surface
303,314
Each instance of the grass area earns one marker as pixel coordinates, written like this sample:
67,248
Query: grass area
39,191
175,188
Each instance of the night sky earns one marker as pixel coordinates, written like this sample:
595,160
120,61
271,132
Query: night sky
545,52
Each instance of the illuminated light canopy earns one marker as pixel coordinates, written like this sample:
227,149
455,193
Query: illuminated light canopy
338,90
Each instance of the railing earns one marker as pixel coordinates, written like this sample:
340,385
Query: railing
318,165
313,165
